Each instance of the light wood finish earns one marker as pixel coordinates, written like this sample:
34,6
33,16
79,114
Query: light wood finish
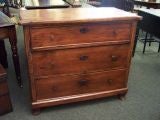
83,15
56,36
67,85
79,60
77,54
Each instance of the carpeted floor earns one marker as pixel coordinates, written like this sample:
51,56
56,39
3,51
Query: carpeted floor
142,101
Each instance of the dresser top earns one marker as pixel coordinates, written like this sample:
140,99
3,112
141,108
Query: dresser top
74,15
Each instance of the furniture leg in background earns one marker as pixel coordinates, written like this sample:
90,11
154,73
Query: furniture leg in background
3,55
13,42
7,30
150,24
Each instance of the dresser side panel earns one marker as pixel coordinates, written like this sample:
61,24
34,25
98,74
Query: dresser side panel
132,39
29,60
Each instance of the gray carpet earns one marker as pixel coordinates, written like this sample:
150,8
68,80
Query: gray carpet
142,101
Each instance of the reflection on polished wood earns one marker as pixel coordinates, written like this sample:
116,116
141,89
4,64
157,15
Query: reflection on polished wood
68,15
148,3
43,4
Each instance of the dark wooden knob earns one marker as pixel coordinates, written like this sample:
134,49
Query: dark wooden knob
109,81
51,65
83,30
54,88
83,57
52,37
114,58
83,82
114,33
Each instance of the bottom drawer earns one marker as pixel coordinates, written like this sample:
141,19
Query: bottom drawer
59,86
5,104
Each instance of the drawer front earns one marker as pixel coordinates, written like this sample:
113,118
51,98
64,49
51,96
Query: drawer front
59,86
53,36
3,88
70,61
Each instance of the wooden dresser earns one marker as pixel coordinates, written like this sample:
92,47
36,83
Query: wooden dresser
77,54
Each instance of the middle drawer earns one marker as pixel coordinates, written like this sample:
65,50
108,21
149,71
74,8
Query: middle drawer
79,60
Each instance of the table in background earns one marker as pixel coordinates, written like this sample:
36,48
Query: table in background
150,22
45,4
148,3
7,30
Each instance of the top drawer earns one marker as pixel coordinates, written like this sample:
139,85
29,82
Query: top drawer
75,34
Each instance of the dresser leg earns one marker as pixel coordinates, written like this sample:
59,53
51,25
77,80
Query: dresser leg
122,96
36,111
3,54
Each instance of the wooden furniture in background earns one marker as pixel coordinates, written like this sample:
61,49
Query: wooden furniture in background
73,3
96,3
149,4
7,30
5,7
126,5
5,102
3,54
81,3
15,3
45,4
77,54
151,24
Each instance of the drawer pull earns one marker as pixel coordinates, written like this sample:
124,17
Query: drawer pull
109,81
52,64
52,37
84,30
54,88
83,82
114,58
83,58
114,33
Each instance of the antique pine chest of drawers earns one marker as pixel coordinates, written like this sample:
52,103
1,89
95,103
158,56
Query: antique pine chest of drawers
77,54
